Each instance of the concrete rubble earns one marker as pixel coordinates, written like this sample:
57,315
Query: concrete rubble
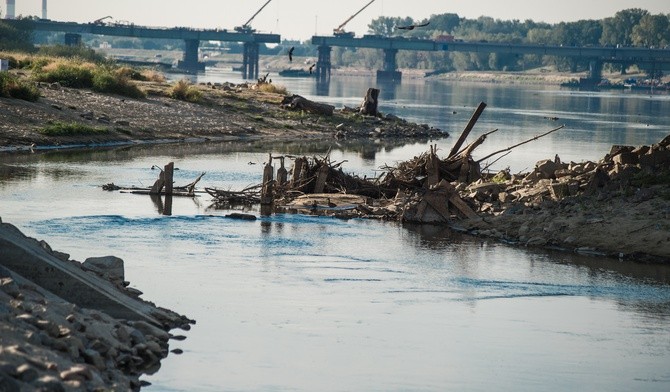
66,325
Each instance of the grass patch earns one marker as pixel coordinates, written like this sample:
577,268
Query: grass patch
272,88
109,82
67,129
645,179
183,90
11,86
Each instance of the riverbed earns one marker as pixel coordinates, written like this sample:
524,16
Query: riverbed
301,303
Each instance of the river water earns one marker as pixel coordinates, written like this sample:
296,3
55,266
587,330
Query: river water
300,303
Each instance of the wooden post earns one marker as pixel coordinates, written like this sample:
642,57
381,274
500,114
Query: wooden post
432,168
468,128
168,175
369,105
268,177
321,178
282,173
296,180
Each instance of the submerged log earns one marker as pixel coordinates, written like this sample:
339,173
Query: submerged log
297,102
369,105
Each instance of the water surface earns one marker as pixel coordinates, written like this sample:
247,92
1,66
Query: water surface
300,303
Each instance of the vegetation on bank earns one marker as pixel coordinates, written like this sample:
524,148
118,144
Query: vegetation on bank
70,129
185,91
12,87
76,67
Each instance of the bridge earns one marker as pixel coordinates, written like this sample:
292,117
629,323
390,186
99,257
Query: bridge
648,58
191,37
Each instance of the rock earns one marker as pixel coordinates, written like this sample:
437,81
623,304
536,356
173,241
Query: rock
123,123
10,287
94,358
626,158
536,241
110,267
149,330
8,383
27,373
137,337
77,373
48,383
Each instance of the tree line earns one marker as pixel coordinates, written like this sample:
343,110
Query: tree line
629,27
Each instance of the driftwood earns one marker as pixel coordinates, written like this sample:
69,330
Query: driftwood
370,103
297,102
519,144
471,124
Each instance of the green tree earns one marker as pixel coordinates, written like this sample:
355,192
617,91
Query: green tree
618,30
653,30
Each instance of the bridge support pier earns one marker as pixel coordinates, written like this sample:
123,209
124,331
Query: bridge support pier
72,39
323,64
190,61
390,72
250,60
596,70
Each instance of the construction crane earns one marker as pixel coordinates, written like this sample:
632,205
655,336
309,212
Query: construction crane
338,32
99,21
245,28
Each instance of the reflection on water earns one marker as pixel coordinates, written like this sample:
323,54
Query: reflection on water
293,302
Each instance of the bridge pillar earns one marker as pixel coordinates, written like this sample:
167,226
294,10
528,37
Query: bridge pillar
250,60
596,70
72,39
323,63
390,72
190,60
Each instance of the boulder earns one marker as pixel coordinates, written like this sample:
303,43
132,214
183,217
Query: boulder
110,267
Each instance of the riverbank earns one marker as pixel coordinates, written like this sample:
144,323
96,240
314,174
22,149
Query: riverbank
78,326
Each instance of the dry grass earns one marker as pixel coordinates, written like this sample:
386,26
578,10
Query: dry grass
272,88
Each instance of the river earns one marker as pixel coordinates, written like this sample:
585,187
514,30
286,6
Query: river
300,303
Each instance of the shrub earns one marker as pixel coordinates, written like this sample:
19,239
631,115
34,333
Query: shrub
105,81
11,86
67,74
272,88
67,129
152,75
184,91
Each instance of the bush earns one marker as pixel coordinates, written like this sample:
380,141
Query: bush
67,74
272,88
184,91
105,81
67,129
11,86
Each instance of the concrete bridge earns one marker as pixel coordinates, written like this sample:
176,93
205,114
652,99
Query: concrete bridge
647,58
191,37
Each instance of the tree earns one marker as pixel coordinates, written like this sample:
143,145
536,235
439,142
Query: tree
386,26
618,29
445,22
653,30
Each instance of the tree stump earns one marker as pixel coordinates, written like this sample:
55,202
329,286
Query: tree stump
369,105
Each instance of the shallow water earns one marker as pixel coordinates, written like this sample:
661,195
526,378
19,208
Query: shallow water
293,302
300,303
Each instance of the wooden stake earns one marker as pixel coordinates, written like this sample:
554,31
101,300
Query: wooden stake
471,124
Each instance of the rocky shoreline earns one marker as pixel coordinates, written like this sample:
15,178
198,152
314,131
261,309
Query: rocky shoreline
49,343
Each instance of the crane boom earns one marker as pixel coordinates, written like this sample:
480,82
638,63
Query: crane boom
339,31
254,15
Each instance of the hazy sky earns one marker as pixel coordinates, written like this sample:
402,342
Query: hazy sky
300,19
